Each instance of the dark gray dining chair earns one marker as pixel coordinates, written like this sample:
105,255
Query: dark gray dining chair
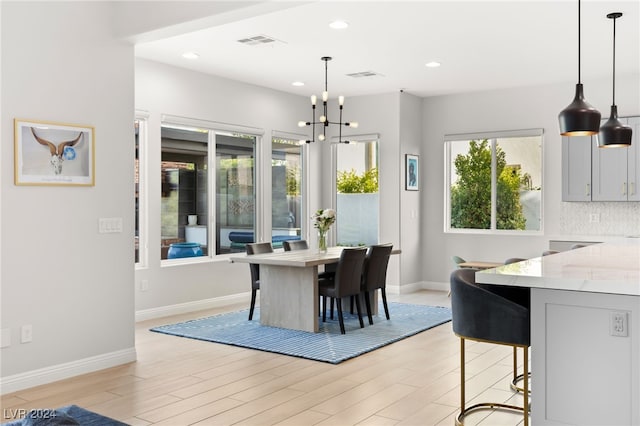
290,245
346,282
492,314
256,248
374,276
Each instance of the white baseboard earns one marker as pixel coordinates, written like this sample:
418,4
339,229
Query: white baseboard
417,286
54,373
196,305
435,285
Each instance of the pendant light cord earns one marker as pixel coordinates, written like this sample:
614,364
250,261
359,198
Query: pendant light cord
326,71
579,59
614,61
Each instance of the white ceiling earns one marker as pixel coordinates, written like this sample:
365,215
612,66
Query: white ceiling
482,45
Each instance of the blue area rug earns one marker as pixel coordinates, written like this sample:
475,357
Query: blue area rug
69,415
328,345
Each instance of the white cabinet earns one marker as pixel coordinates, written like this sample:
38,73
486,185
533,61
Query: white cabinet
576,168
591,173
615,170
583,372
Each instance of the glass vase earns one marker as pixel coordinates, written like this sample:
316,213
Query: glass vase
322,241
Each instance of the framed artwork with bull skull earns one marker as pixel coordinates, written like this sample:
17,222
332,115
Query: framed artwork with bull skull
48,153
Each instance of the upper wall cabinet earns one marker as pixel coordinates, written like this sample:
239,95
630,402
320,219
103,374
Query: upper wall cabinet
576,168
590,173
615,170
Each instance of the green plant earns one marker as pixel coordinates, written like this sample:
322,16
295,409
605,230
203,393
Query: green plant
350,182
471,194
293,180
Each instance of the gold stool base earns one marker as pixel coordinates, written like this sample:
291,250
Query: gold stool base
514,383
486,406
525,410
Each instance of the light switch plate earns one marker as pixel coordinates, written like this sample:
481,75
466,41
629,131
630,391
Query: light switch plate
109,225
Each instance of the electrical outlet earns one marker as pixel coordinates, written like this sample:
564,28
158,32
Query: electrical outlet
144,285
594,218
619,325
26,335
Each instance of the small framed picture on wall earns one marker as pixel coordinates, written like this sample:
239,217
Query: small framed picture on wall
412,171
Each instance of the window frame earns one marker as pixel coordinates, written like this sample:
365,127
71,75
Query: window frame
142,117
335,143
213,128
492,137
304,177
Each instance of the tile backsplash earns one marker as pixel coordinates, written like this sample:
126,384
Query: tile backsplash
600,218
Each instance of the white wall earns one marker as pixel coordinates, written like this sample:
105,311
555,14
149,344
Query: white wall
411,213
58,274
521,108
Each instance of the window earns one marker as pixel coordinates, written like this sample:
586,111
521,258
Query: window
235,191
184,187
494,181
187,210
140,193
287,220
357,198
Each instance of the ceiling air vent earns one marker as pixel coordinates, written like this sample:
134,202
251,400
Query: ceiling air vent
257,40
363,74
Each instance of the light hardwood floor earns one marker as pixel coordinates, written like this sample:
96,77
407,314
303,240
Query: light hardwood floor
178,381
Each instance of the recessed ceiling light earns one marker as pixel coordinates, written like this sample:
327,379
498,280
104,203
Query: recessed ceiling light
432,64
297,83
190,55
339,25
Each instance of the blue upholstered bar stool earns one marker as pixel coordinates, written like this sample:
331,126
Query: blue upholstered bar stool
493,314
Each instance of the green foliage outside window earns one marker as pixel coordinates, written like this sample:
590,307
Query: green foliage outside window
350,182
471,194
293,181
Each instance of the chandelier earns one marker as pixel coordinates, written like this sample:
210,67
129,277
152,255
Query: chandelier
324,119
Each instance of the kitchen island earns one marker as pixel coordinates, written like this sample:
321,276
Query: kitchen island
585,332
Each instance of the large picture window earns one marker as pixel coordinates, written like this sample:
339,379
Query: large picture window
494,182
190,207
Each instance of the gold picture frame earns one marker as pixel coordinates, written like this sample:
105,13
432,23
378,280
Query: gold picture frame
50,153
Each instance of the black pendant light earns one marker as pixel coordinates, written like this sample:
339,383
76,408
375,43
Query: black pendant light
579,118
613,133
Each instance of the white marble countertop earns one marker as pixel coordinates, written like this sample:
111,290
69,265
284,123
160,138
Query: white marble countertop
611,267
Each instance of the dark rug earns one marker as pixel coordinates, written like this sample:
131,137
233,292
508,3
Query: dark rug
328,345
69,415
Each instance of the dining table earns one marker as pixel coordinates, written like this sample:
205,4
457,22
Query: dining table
289,295
476,264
